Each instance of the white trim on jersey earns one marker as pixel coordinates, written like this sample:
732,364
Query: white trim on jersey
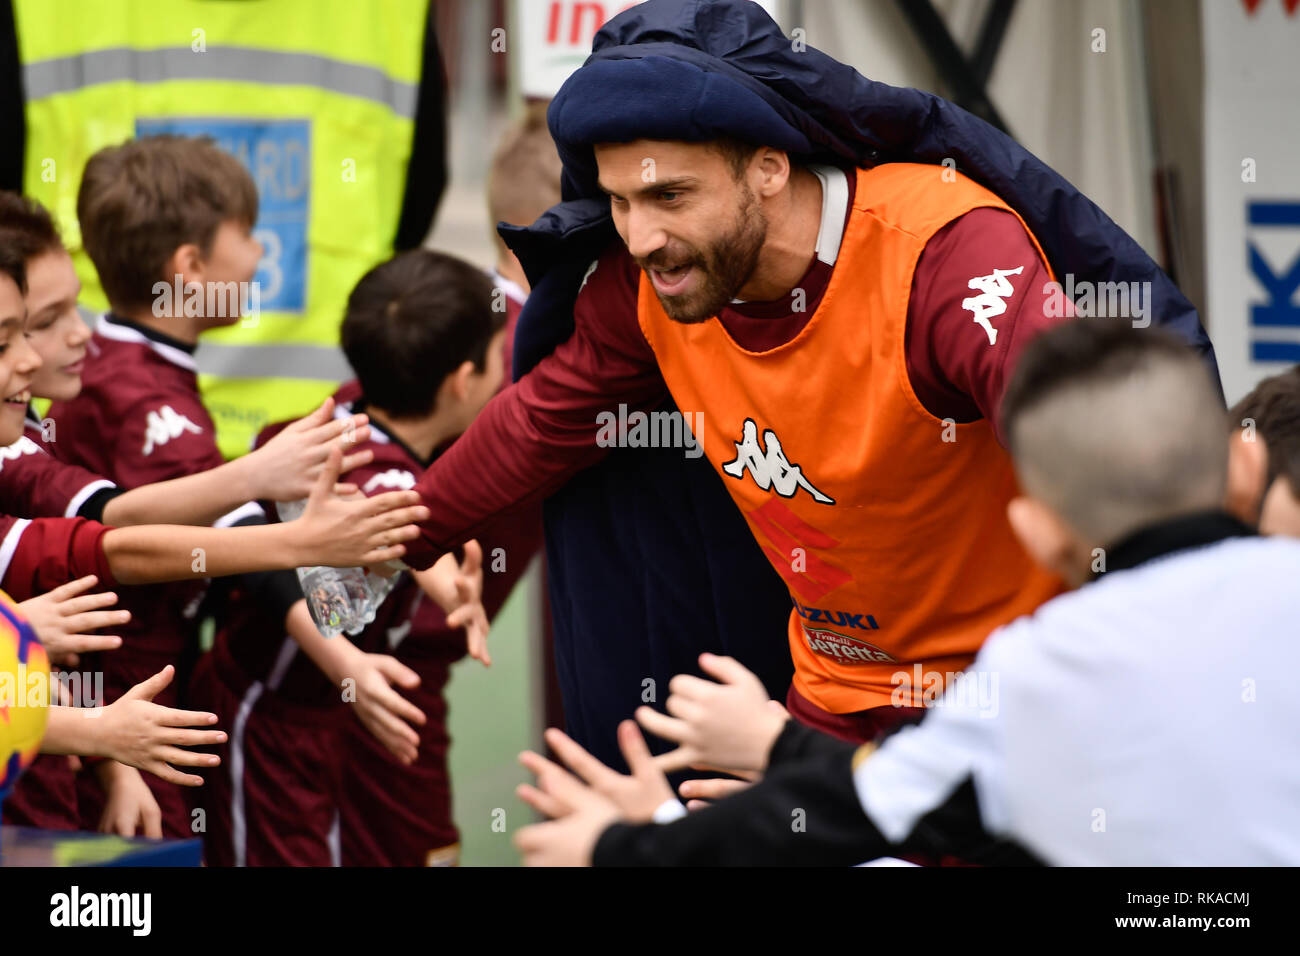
250,509
335,841
79,499
288,651
377,435
238,813
10,545
510,287
122,333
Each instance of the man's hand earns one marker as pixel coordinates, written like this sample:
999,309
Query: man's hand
340,533
582,813
286,467
458,590
731,725
135,731
381,709
130,807
64,618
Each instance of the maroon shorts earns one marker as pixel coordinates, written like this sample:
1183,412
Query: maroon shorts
860,727
45,796
391,815
273,800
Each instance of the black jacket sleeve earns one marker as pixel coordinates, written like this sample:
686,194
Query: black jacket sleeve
799,742
804,813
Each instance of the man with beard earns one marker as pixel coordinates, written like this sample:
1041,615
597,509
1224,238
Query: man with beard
844,328
824,321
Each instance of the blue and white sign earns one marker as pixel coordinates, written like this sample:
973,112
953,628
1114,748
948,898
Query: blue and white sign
1252,187
277,153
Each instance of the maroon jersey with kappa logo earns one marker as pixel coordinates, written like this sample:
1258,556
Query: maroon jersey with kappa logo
391,815
139,420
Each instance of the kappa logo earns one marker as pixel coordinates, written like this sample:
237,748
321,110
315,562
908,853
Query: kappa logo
842,648
23,446
392,478
991,302
165,424
768,466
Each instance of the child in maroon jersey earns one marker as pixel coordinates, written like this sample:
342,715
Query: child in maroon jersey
402,816
156,213
402,317
426,345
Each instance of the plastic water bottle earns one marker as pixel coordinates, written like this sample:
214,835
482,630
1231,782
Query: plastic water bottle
339,599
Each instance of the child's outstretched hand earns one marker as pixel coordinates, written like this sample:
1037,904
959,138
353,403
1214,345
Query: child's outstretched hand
287,466
731,724
351,533
63,619
458,590
139,733
581,809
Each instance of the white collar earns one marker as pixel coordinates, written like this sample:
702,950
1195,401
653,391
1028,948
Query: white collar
835,206
124,333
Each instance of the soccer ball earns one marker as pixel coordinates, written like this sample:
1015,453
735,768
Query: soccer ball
24,694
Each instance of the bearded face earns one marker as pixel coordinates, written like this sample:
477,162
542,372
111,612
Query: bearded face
690,220
694,283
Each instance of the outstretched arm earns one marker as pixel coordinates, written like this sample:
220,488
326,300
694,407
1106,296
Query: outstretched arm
283,469
332,532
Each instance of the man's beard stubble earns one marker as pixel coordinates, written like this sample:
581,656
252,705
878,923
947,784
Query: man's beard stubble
725,266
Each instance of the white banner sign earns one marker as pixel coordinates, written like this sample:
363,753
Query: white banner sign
555,38
1252,187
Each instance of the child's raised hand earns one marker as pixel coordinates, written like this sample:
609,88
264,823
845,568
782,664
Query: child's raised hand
353,532
731,724
139,733
63,619
287,466
458,590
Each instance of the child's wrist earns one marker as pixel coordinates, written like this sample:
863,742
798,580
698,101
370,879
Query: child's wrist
243,474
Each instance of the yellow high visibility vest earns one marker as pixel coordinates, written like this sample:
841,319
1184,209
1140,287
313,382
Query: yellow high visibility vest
317,97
